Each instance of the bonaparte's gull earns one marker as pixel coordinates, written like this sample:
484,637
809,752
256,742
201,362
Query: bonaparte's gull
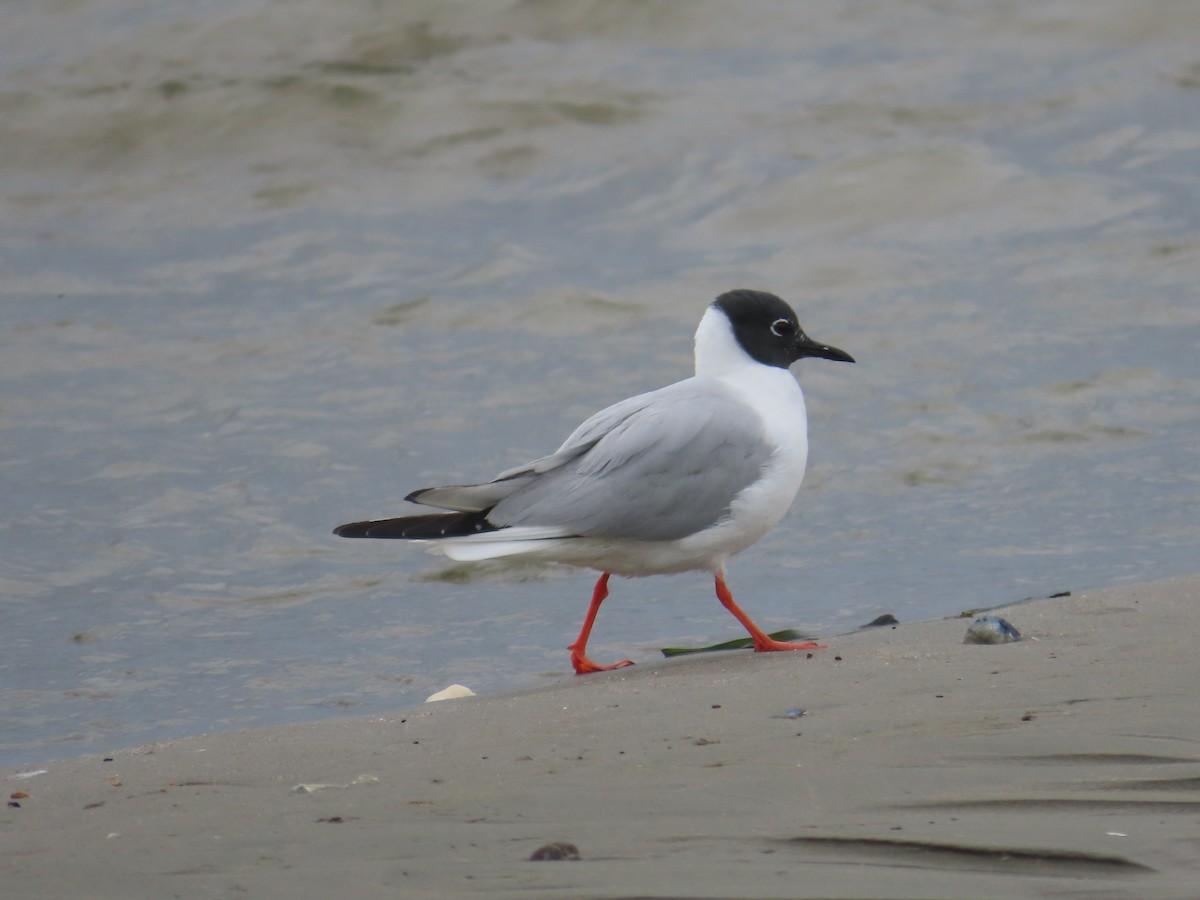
672,480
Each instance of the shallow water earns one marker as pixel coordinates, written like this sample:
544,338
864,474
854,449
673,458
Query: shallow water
268,267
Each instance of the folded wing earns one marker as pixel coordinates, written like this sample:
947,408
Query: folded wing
659,466
656,467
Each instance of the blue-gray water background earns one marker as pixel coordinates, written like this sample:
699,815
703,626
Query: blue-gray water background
269,266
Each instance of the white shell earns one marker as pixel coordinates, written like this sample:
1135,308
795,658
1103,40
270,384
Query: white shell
450,693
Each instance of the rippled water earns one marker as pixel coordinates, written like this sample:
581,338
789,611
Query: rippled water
270,266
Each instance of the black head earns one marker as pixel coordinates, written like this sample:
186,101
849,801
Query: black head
767,329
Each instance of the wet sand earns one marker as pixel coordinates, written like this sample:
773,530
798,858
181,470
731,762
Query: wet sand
1066,765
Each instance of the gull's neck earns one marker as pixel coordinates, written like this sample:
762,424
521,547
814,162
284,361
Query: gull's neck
773,392
770,391
718,354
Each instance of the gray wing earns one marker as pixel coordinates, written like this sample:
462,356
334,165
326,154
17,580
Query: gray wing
659,466
478,497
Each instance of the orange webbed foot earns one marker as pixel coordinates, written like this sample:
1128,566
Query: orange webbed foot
584,666
768,645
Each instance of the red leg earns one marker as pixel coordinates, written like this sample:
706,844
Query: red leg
579,659
762,643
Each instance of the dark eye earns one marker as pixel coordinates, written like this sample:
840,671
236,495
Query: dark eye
782,328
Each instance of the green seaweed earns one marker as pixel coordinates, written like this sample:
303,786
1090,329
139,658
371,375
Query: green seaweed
788,634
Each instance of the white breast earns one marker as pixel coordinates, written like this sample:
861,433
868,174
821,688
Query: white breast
778,400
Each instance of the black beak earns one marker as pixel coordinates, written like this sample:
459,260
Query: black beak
806,346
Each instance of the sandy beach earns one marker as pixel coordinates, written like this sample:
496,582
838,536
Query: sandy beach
1066,765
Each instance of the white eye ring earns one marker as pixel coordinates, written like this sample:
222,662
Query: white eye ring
781,328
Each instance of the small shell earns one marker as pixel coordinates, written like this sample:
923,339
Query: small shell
991,630
554,851
451,693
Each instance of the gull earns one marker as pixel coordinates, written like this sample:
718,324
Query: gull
674,480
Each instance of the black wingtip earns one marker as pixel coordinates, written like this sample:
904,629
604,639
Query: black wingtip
377,527
435,526
353,530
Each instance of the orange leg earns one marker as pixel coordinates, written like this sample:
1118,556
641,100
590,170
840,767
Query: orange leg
579,659
762,643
